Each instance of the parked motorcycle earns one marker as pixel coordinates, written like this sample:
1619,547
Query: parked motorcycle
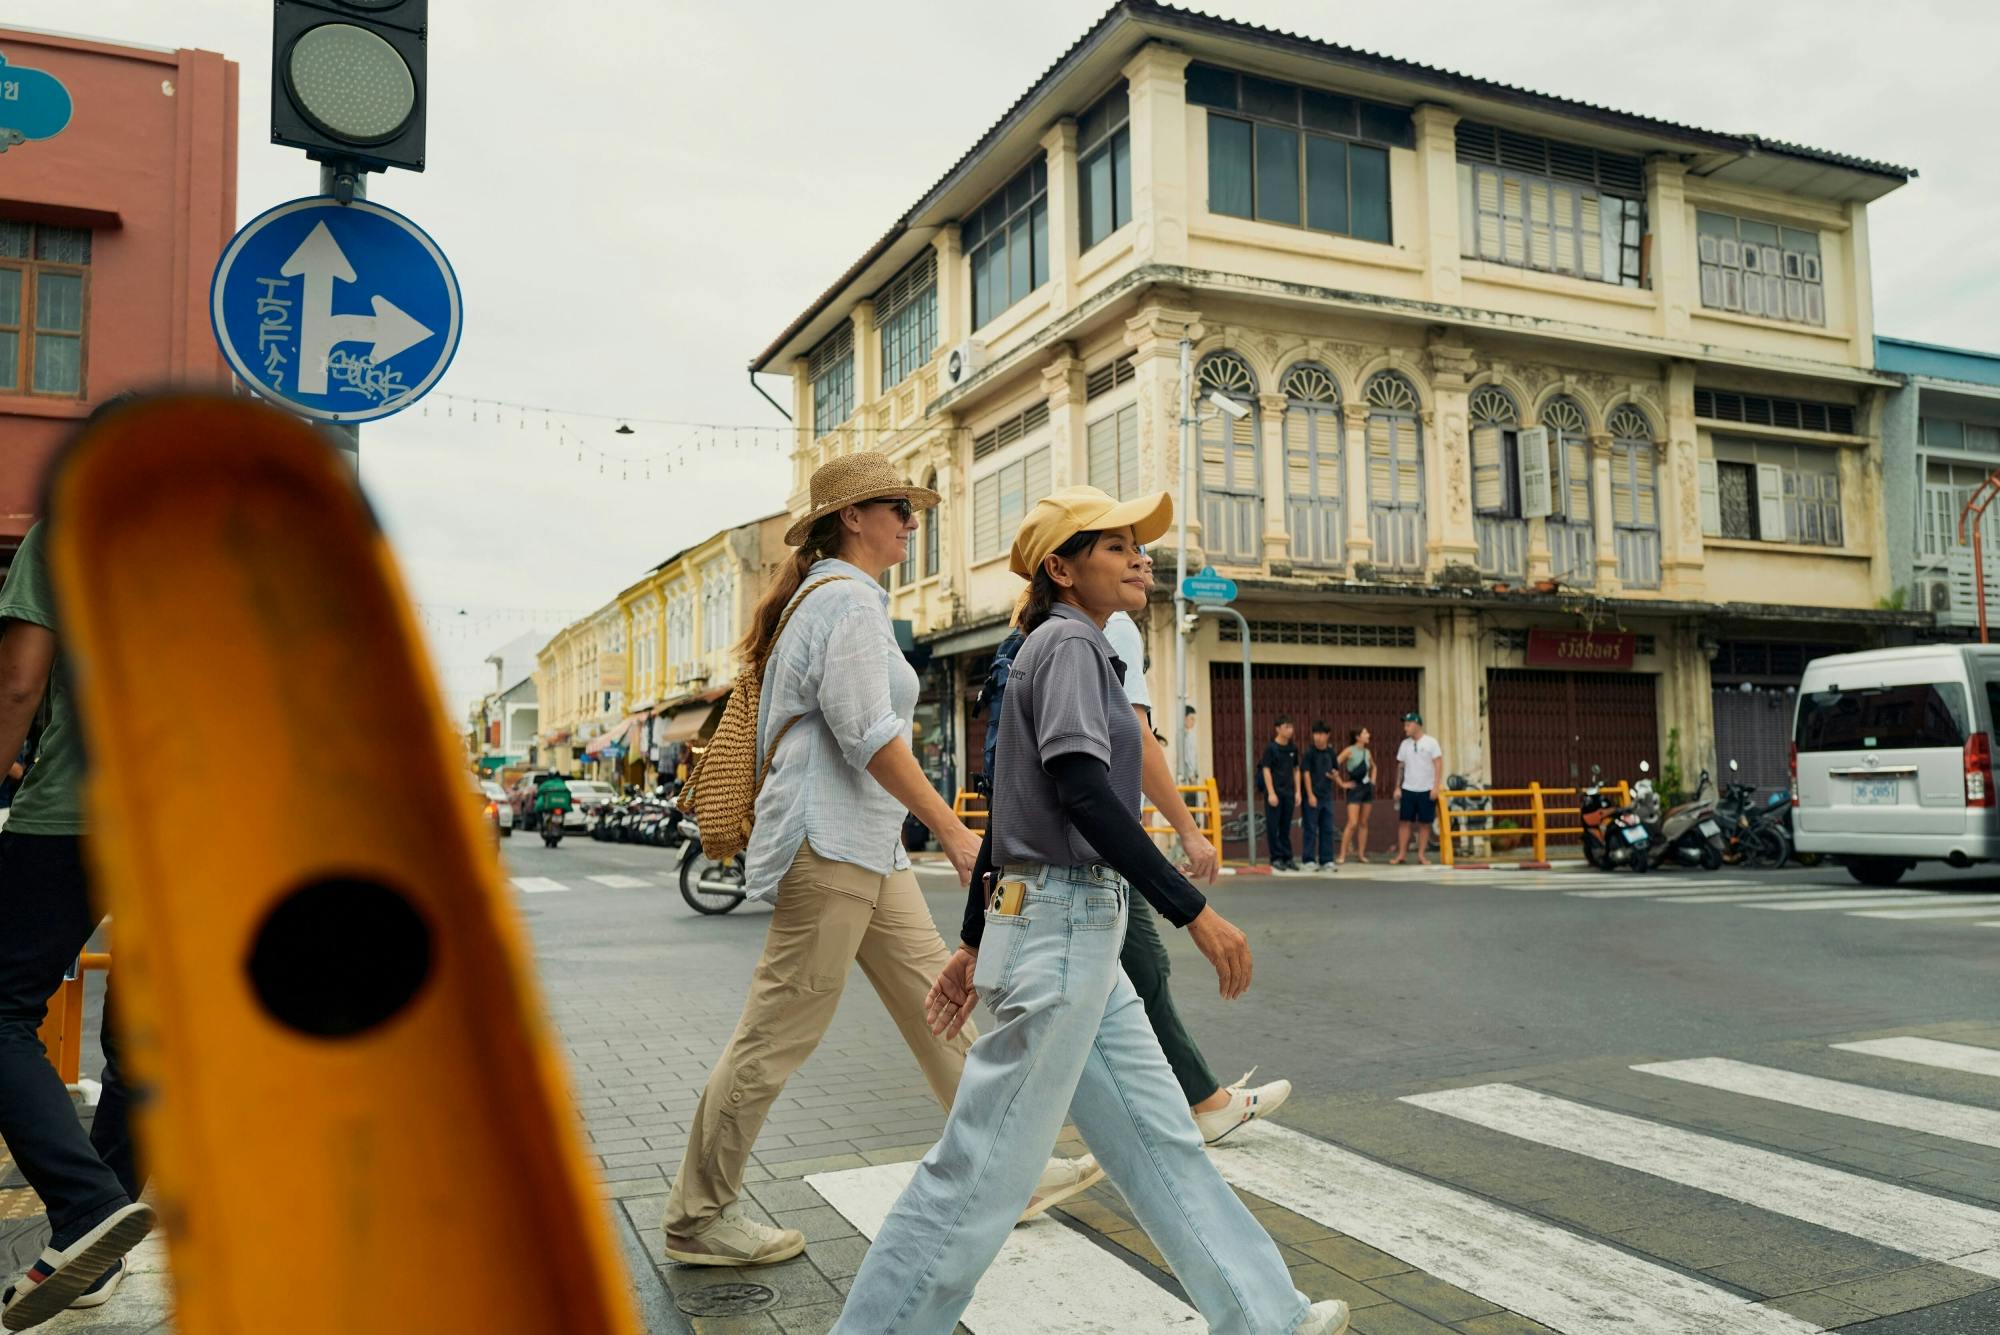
1597,811
1749,834
552,829
1689,835
1634,826
708,886
1469,813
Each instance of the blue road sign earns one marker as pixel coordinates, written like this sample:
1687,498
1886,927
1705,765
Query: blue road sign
1209,587
343,312
33,104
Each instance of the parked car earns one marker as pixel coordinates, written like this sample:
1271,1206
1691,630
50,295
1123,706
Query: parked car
1892,759
499,809
522,798
585,795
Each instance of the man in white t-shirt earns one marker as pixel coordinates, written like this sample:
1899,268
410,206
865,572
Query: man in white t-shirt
1418,761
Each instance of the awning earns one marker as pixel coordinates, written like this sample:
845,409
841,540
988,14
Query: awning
970,641
616,737
687,723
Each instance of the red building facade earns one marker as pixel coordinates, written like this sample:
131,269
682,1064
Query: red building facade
108,235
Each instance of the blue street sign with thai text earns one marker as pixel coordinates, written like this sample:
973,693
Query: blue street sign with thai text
1208,587
33,104
343,312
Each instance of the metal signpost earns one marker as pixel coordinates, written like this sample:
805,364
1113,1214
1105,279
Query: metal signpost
340,312
1211,593
33,105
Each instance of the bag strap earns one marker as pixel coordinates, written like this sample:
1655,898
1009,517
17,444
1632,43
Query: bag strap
784,621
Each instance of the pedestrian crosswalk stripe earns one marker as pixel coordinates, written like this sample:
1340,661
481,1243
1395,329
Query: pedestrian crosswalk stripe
1930,1052
1933,1227
1924,911
1535,1269
537,885
617,882
1772,896
1901,899
1911,1112
1720,890
1043,1268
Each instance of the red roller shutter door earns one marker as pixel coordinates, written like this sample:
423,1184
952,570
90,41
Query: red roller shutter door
1551,727
1345,697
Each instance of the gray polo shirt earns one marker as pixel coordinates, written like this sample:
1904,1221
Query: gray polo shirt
1064,696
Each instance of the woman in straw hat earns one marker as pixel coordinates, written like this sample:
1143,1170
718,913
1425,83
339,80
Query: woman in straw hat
1043,946
827,848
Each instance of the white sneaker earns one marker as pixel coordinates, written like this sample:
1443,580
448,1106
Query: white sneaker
733,1238
1062,1180
1327,1318
1245,1105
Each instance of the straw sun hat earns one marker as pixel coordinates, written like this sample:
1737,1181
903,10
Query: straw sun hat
850,480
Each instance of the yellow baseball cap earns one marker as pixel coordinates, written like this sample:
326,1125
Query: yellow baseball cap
1057,518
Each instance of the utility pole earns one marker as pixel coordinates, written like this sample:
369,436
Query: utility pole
1183,762
346,435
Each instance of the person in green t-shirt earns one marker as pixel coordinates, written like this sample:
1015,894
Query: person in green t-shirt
89,1184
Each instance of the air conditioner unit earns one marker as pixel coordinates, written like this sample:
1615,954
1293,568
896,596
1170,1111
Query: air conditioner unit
963,362
1936,595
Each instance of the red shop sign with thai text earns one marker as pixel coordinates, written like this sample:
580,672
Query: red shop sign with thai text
1580,648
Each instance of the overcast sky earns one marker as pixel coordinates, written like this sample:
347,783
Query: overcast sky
638,195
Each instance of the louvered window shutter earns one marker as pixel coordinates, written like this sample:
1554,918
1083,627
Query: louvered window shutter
1513,226
1409,463
1489,213
1326,454
1243,471
1214,456
986,516
1489,482
1128,451
1771,504
1299,453
1711,499
1381,459
1576,478
1101,447
1537,489
1035,483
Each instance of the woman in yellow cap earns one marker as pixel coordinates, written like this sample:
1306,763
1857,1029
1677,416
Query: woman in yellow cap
827,848
1041,940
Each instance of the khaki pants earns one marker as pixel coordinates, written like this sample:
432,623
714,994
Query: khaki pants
830,915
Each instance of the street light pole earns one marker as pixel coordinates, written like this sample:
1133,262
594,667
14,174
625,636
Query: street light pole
1183,761
345,183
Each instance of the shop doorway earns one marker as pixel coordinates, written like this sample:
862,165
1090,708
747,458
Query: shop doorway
1551,727
1345,697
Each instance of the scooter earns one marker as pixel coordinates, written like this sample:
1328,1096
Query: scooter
1630,841
1749,835
1596,810
552,828
1690,836
708,886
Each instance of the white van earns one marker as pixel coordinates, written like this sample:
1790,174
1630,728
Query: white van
1892,758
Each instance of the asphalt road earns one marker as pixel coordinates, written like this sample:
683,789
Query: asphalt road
1477,1031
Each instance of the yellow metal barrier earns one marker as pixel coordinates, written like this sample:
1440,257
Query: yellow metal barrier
62,1029
1203,803
1505,828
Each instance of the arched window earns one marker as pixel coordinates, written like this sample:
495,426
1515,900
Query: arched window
1395,472
1635,498
1314,482
1572,544
1232,527
931,529
1501,533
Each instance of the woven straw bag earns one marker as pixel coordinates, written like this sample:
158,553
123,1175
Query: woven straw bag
724,781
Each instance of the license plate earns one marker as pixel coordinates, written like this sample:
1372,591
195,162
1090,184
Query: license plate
1636,834
1710,828
1880,792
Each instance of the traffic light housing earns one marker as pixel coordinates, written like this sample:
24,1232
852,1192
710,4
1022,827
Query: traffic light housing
348,80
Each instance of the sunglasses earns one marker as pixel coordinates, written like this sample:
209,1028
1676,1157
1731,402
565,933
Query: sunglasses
899,504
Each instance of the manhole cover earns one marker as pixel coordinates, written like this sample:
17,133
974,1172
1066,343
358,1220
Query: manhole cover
727,1300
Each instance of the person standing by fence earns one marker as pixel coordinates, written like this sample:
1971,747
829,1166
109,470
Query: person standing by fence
1418,761
1280,768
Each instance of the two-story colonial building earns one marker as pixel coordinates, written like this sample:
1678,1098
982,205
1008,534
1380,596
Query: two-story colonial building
1541,406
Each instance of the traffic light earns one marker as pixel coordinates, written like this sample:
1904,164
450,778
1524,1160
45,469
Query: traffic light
347,80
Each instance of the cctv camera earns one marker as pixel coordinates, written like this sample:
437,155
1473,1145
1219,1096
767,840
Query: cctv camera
1227,404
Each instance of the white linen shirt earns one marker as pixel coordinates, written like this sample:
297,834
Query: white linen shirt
838,670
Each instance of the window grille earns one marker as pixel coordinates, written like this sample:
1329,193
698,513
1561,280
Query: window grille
1108,377
906,314
1011,431
1335,635
1723,405
1006,241
831,369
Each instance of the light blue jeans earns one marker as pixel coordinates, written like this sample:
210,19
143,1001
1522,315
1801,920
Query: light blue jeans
1071,1037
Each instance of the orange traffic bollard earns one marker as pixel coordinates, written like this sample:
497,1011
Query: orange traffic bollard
357,1119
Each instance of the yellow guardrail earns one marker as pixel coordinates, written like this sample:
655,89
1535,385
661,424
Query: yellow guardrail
1526,826
62,1028
1203,803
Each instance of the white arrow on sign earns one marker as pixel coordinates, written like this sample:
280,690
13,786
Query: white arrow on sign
390,329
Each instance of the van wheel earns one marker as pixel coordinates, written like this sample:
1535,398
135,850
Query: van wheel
1876,871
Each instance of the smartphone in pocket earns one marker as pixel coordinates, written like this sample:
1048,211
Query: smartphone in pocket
1008,896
